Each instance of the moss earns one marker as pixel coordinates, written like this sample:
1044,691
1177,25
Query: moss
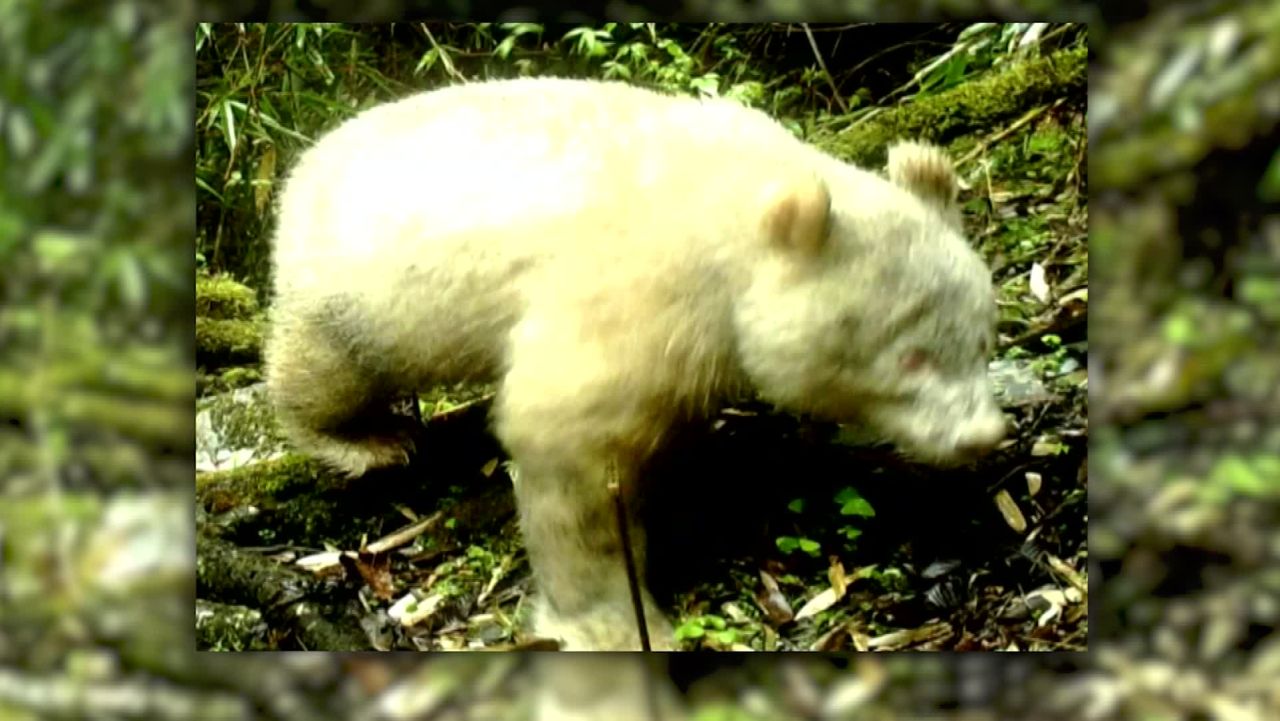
980,105
257,484
221,341
218,296
222,627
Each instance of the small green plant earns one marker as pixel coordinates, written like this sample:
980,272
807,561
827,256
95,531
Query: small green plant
514,32
1236,476
707,626
591,42
852,504
790,544
1050,364
890,578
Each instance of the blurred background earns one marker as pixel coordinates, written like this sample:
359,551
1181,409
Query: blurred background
96,390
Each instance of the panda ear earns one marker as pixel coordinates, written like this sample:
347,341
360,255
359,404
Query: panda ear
797,214
927,172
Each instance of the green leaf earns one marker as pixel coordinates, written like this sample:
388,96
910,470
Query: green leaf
1258,289
1269,186
955,70
796,505
200,183
690,629
22,135
614,69
428,61
727,637
810,546
787,544
853,504
229,125
1179,329
504,48
1268,466
65,253
131,280
707,85
203,34
857,507
1235,474
518,29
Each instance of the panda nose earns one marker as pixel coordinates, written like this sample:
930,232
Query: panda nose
983,436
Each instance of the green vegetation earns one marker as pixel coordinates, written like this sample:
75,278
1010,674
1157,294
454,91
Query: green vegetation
1006,98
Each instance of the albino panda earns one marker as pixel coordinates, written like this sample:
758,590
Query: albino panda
619,261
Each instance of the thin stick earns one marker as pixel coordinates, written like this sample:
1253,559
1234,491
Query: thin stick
1006,132
632,579
817,55
633,582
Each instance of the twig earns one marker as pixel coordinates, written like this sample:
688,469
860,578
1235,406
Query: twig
402,536
1067,573
813,44
633,581
1013,127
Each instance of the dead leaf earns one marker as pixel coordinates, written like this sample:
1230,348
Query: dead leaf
325,563
734,612
1077,296
836,575
833,640
818,604
1049,602
1046,446
375,569
264,178
411,611
1038,285
1034,481
1067,573
772,601
911,636
497,575
1009,509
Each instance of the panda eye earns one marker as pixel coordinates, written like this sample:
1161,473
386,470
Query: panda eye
915,360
